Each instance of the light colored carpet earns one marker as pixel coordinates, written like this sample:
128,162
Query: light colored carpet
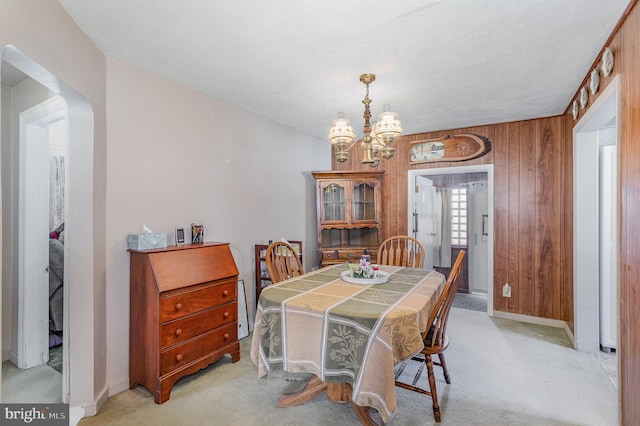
40,384
503,373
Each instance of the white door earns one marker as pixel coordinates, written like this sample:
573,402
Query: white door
608,226
478,237
33,230
424,217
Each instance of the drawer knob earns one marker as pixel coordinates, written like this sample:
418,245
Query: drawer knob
226,315
178,332
179,357
226,336
225,293
178,306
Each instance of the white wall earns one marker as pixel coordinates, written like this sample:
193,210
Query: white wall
175,157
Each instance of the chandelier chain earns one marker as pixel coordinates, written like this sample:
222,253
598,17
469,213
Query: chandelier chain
367,113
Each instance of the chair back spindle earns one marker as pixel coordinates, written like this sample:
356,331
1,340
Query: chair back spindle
440,313
401,250
282,262
435,338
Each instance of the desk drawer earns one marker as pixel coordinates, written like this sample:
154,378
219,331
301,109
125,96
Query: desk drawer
198,347
329,255
185,328
353,255
182,304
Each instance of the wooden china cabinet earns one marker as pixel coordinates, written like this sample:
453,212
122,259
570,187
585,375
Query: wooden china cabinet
348,214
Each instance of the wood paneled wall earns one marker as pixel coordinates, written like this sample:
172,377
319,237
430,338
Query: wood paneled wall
530,212
533,208
624,43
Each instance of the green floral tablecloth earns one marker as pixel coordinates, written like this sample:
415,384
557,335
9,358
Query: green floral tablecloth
344,332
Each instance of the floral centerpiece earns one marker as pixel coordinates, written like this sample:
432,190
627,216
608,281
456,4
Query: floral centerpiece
363,269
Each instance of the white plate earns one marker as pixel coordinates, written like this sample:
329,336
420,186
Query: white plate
383,277
607,62
594,82
584,97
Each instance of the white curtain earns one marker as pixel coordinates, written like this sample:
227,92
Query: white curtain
442,241
56,193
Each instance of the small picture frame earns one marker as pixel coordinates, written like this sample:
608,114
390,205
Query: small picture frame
197,234
179,236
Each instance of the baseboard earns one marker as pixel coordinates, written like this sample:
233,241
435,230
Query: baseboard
76,413
11,356
532,320
122,386
570,335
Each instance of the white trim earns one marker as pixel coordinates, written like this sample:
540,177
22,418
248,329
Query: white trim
481,168
585,279
531,320
122,386
570,334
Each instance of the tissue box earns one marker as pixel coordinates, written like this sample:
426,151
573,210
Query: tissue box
147,241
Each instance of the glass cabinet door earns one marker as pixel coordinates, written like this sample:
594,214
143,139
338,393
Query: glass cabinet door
364,201
334,201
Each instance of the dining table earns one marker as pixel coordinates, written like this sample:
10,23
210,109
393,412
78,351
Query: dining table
348,333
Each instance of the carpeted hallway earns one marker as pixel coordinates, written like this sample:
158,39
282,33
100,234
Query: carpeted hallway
503,373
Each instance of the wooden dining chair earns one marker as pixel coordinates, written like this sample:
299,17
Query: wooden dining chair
435,337
401,250
282,262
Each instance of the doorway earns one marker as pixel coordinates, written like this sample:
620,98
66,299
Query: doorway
39,140
446,202
78,319
596,246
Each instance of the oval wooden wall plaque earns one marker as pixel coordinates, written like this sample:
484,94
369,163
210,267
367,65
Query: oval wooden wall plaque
460,147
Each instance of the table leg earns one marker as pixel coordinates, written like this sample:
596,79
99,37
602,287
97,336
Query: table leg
337,392
314,388
341,392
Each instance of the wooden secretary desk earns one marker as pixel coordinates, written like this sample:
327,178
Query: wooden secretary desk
183,313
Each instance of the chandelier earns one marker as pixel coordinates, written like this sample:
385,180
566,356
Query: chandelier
374,142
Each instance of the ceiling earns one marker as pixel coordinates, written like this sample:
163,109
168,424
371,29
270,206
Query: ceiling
440,64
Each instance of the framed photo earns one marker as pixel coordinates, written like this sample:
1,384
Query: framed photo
427,151
197,233
179,236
